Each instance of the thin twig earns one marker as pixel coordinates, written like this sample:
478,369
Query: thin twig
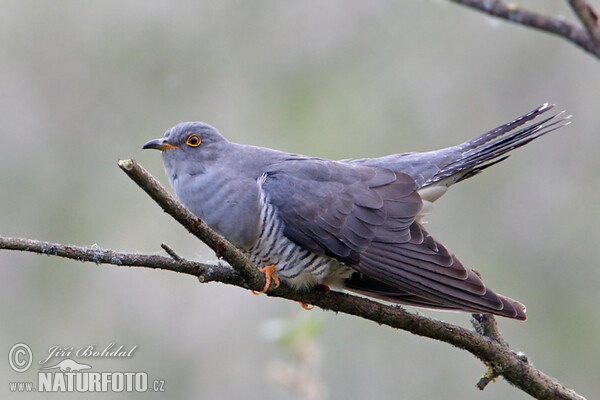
171,252
514,13
102,256
490,376
485,324
588,18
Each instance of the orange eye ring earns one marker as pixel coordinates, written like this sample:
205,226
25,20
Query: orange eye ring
193,140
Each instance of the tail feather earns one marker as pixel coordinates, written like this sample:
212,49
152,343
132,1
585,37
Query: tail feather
370,287
515,140
505,128
493,144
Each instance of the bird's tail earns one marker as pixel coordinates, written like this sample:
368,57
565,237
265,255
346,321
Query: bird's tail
491,147
366,286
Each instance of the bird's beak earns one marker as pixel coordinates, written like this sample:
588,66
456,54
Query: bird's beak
158,144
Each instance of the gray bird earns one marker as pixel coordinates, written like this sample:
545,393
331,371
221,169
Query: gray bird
355,224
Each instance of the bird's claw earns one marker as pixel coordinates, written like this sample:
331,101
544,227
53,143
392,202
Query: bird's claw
269,272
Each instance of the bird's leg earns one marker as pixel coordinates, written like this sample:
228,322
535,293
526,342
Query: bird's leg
269,272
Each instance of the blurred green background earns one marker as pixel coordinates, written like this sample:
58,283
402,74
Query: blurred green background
85,83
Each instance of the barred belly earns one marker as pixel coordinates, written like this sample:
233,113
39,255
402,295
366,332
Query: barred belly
293,264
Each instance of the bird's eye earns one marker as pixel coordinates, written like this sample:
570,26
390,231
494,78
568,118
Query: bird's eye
193,140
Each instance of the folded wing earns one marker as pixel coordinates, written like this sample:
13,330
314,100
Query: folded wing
365,217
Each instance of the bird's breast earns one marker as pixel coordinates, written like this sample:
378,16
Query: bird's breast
230,206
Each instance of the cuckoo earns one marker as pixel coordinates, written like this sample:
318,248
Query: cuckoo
353,224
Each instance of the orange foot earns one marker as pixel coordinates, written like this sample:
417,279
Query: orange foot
306,306
269,272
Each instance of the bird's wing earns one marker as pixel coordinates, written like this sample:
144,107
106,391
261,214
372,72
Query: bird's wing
365,217
338,210
424,267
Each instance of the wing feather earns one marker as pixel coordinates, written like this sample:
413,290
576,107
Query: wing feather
365,217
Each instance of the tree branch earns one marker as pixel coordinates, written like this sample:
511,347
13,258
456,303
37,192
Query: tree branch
584,38
588,18
486,343
193,224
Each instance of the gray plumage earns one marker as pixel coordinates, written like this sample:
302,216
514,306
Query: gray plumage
354,223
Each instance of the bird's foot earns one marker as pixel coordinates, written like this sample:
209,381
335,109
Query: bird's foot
306,306
269,272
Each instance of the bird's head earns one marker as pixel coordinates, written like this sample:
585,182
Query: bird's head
189,147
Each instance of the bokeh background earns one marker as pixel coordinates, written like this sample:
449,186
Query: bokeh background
85,83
